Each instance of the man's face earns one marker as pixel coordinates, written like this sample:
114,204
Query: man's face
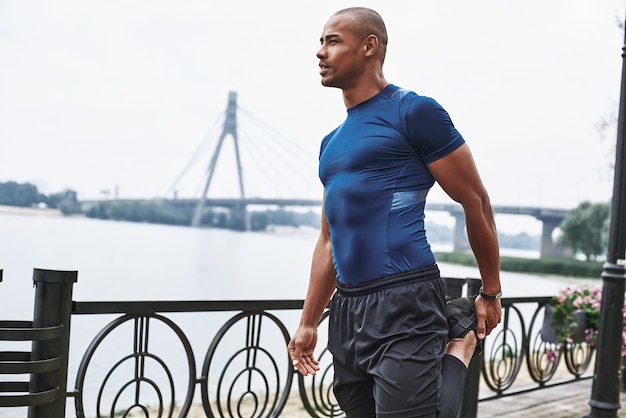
341,53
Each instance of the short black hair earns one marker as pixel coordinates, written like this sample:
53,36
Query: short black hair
370,22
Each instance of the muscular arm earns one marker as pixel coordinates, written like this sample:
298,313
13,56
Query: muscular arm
322,283
458,176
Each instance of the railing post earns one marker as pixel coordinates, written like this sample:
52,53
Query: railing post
454,287
53,306
469,401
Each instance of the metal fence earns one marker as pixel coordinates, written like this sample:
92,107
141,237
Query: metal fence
143,361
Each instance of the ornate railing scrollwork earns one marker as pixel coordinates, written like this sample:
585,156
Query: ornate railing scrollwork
578,357
135,381
251,382
515,343
504,358
544,357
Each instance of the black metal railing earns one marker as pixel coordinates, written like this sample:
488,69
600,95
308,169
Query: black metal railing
246,370
45,365
520,346
229,358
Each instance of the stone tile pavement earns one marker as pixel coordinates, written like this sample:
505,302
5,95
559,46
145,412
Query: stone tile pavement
565,401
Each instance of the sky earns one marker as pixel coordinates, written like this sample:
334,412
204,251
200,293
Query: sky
112,97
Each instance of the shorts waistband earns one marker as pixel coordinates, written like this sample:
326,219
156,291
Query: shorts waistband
385,282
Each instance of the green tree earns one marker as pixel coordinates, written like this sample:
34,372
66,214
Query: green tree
66,201
585,229
23,195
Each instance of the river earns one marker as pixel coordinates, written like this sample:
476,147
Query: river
134,261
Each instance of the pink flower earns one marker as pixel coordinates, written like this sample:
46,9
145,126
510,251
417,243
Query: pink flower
577,302
576,297
551,356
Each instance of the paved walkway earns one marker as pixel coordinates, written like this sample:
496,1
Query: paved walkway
565,401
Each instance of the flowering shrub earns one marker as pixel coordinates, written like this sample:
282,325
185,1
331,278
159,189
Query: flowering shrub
567,301
571,299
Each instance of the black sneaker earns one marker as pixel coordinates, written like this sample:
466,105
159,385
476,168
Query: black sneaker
462,319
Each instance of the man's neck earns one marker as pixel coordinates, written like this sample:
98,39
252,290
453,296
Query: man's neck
361,93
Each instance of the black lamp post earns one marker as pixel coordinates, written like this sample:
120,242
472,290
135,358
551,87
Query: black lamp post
605,394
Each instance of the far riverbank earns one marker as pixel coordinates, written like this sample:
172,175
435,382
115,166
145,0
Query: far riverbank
18,210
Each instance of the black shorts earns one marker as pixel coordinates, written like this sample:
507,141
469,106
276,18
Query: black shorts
387,338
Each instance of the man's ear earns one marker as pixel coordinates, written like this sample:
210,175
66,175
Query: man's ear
371,45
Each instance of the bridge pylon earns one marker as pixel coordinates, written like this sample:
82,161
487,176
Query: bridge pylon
230,128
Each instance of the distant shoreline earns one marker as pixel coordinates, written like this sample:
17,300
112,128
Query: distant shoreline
17,210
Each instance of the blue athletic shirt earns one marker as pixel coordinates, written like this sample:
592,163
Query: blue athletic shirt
373,168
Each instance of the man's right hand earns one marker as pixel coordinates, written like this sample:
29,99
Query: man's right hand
301,349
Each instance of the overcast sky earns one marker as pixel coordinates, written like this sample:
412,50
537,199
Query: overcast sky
99,95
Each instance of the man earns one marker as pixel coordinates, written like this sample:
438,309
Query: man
398,350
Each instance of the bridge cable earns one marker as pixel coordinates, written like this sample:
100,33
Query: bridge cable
200,150
288,145
274,176
287,151
295,161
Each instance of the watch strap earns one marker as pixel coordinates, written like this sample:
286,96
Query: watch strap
493,296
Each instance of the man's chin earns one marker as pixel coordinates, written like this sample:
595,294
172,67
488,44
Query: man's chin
328,83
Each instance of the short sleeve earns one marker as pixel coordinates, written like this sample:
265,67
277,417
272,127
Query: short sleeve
430,130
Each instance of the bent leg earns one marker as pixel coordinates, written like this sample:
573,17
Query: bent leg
453,374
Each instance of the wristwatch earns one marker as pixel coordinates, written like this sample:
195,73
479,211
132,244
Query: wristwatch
494,296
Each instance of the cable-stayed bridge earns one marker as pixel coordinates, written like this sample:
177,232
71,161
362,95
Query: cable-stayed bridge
249,159
262,155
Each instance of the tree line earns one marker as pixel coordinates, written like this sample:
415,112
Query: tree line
27,195
584,229
162,212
